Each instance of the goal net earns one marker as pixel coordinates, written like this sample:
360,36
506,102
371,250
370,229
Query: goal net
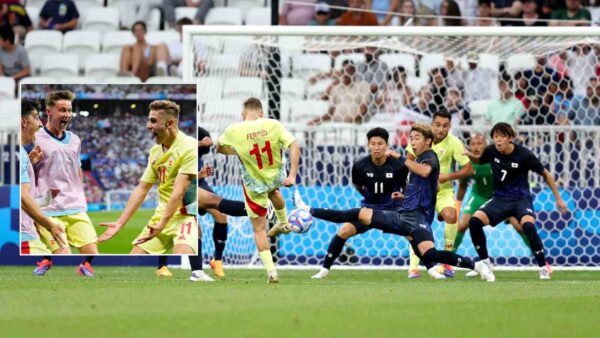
329,86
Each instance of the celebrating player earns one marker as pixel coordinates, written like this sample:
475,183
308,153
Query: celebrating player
415,215
172,163
259,142
378,179
449,149
511,196
59,169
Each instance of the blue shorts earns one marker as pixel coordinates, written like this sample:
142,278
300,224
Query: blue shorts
361,228
204,185
497,210
402,223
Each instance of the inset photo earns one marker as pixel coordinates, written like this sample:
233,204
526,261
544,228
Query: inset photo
108,169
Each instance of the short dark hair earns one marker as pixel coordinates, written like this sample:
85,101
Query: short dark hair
6,33
502,128
185,21
141,23
378,132
485,2
28,107
442,113
424,129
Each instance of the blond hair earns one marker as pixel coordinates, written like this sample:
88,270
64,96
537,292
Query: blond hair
252,103
168,107
424,129
58,95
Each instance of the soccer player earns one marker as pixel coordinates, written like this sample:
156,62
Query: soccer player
511,196
259,142
415,215
378,178
30,239
449,149
481,192
60,169
172,163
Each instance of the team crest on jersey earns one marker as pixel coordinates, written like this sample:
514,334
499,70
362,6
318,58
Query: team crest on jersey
170,163
441,152
369,174
514,165
496,160
181,238
389,175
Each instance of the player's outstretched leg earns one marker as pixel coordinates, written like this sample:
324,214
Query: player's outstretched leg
163,269
430,265
281,226
335,249
43,266
85,269
198,275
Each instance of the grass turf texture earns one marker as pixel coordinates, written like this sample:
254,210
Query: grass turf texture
121,243
132,302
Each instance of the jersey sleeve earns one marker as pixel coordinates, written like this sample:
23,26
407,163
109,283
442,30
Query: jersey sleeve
458,153
189,162
486,155
534,163
226,138
285,137
356,178
431,159
150,175
23,170
202,133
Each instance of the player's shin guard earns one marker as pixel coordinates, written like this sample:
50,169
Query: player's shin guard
449,235
196,260
267,260
333,251
336,216
232,208
281,215
478,237
458,240
448,257
219,238
536,243
162,261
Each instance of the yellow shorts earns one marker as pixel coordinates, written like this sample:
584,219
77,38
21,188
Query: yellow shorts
79,231
179,230
445,199
256,203
34,247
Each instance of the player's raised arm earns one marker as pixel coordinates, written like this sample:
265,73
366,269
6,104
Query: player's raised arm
135,201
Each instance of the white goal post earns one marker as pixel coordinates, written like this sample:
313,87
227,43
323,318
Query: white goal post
296,70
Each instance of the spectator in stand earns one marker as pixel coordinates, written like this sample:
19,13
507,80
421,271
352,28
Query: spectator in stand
469,11
455,105
357,18
475,81
170,55
322,16
139,58
396,94
61,15
336,13
384,9
581,61
15,16
424,104
14,61
530,16
137,10
203,7
485,13
438,85
507,9
296,14
506,109
427,9
572,15
585,109
348,99
539,78
451,14
407,9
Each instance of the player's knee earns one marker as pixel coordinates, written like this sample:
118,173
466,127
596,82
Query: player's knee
430,254
220,218
450,216
528,227
347,231
365,215
475,223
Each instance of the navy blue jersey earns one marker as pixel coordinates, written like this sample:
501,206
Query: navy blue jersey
510,171
420,191
202,133
377,183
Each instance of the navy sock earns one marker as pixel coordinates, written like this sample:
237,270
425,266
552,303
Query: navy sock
219,237
333,251
162,261
232,208
448,257
428,264
336,216
535,242
478,237
88,259
196,260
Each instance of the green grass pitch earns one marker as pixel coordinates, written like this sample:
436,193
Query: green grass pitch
121,243
132,302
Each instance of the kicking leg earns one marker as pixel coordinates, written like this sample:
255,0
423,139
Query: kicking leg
335,248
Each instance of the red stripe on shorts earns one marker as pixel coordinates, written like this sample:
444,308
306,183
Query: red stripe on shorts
257,209
25,248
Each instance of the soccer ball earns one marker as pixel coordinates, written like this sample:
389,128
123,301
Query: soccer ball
300,220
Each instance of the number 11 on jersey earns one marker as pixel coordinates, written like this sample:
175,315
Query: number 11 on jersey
266,149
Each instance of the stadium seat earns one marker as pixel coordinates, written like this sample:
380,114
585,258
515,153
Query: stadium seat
306,110
156,37
101,19
490,61
393,60
102,66
258,16
7,88
164,79
429,62
239,88
113,42
306,65
517,62
34,14
224,111
40,43
212,43
37,80
185,12
235,44
154,20
77,80
210,88
226,65
245,5
224,16
81,43
416,83
355,57
335,133
318,89
293,89
10,116
284,111
60,65
123,80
